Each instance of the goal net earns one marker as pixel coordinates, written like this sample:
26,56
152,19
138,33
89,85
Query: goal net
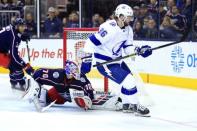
74,40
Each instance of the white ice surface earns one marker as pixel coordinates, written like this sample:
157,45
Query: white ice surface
174,110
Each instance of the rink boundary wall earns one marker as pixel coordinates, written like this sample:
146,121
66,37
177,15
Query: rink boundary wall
157,69
179,82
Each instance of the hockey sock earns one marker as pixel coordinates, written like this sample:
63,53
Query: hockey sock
129,90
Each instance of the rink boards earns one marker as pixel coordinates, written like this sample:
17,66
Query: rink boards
175,65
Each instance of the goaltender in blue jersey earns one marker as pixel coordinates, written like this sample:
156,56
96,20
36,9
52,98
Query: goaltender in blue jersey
113,38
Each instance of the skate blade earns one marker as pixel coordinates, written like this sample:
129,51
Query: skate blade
140,115
127,111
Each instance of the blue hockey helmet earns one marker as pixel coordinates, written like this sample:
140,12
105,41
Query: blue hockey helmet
19,21
71,70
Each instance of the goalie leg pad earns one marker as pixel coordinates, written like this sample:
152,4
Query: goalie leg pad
83,102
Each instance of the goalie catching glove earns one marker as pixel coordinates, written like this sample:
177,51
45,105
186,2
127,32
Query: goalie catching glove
144,51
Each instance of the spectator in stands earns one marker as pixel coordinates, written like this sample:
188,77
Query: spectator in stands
101,20
138,30
73,20
144,15
60,12
13,18
195,26
180,4
31,25
136,13
1,5
166,29
5,5
145,23
95,21
151,31
29,2
153,9
143,12
187,11
162,12
111,17
64,22
178,21
52,25
170,4
19,6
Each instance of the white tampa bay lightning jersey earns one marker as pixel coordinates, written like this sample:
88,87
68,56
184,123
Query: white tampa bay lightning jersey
110,42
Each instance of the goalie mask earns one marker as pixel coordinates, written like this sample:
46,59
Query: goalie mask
71,70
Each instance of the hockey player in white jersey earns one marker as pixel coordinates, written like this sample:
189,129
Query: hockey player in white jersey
113,38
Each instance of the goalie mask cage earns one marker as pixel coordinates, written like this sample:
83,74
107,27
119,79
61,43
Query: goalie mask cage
74,40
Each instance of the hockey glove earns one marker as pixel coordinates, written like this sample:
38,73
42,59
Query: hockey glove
28,69
86,64
144,51
25,37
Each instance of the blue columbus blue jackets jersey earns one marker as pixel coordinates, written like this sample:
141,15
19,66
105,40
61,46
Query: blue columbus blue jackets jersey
9,43
58,79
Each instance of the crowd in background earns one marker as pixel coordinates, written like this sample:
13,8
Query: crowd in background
164,19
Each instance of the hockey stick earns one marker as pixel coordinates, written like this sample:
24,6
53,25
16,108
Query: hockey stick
28,51
155,48
28,55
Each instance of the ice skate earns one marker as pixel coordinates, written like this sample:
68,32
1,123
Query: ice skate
137,109
18,87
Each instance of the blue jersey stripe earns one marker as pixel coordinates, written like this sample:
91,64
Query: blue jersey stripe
102,57
95,40
125,46
129,91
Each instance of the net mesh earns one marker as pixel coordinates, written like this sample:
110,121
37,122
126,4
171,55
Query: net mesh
75,41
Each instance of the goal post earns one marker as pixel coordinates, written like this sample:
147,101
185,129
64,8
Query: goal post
73,44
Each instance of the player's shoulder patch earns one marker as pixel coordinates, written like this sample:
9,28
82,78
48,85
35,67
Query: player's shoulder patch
56,74
112,23
83,79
